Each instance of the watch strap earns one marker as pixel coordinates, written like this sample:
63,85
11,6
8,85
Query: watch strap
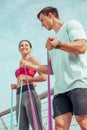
58,46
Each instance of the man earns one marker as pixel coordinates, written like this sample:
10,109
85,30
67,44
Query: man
68,63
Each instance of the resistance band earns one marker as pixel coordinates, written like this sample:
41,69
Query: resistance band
11,111
50,127
32,105
19,105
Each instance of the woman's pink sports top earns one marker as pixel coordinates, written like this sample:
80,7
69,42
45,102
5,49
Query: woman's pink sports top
21,70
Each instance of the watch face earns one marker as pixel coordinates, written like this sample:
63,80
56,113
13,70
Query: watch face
59,45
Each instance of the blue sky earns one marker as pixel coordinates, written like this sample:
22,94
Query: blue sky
18,20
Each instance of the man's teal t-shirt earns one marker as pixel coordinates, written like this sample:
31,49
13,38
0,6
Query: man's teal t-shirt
70,70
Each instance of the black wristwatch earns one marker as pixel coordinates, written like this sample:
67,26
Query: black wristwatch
58,46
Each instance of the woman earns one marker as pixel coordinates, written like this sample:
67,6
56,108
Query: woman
26,119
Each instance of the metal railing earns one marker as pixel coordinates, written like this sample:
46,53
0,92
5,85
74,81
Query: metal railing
5,116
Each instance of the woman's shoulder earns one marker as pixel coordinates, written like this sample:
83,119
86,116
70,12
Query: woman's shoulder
32,58
35,60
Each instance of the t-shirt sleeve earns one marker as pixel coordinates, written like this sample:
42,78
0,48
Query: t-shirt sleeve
75,30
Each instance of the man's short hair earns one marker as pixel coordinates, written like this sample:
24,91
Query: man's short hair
47,10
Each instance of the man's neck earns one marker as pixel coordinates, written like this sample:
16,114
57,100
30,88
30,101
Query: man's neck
57,25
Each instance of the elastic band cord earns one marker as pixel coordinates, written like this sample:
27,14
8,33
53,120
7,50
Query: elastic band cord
31,104
50,127
11,111
19,106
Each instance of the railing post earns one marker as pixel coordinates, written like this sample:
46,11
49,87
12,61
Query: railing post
4,124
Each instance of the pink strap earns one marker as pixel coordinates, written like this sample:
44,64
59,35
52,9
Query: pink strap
32,105
50,127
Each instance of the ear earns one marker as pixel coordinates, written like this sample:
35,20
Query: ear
50,15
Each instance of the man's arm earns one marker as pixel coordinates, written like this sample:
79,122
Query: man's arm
39,68
43,69
76,47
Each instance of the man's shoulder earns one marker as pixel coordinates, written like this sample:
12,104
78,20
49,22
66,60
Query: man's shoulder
73,22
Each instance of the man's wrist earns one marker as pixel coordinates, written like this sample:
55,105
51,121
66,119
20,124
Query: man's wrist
58,45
